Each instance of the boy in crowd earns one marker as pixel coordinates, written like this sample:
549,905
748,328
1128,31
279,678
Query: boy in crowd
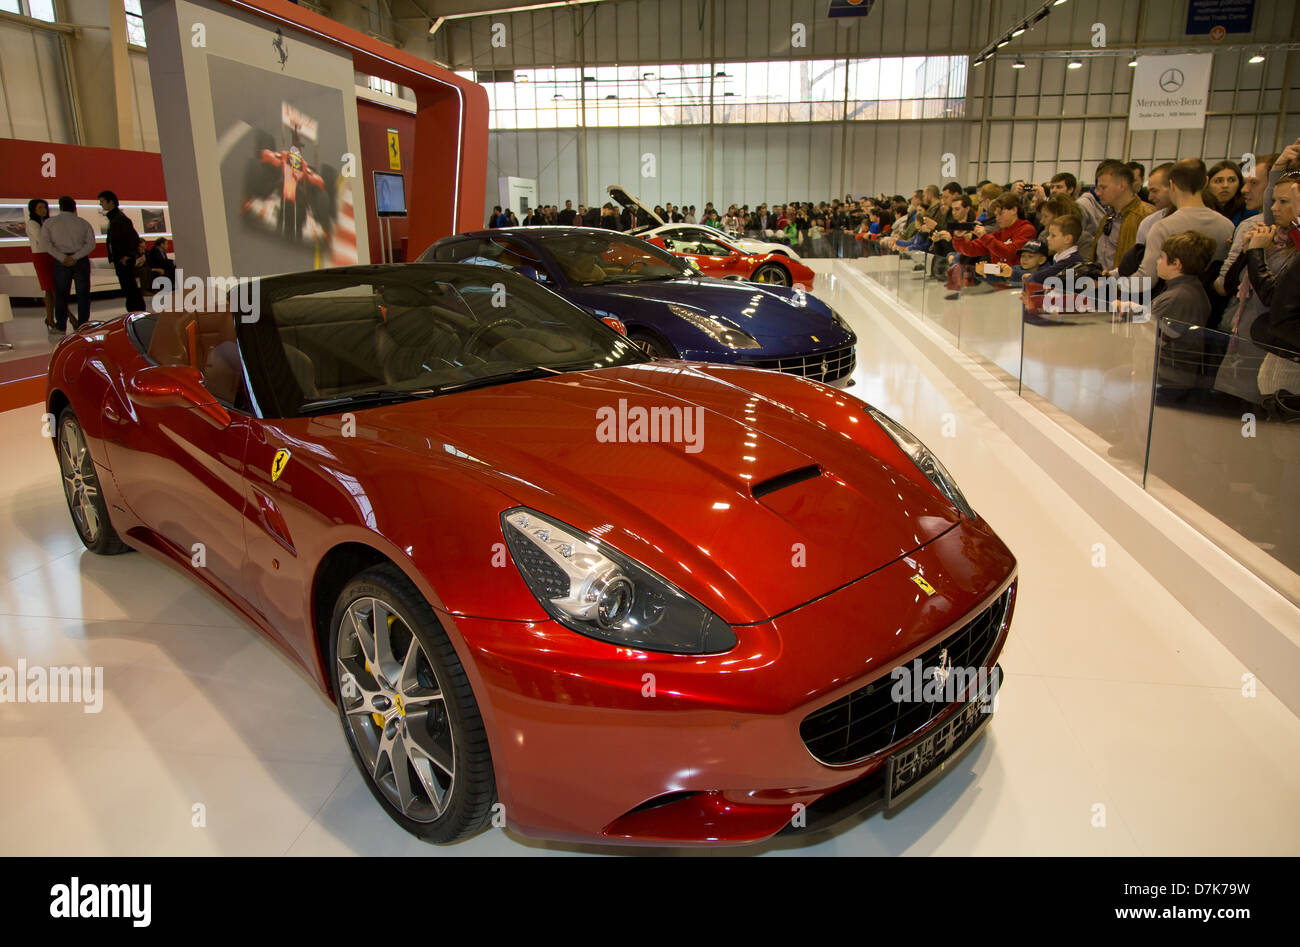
1184,259
1061,239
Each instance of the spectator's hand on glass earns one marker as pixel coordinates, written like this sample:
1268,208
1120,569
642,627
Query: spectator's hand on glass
1261,237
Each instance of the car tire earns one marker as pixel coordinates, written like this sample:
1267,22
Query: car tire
414,727
773,273
82,490
652,344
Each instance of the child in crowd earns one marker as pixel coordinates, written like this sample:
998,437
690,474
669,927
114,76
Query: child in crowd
1061,240
1181,307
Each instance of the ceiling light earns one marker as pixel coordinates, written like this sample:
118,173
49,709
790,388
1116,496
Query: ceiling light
647,75
557,96
1018,31
1255,59
1003,43
721,74
1133,62
1074,64
1058,3
1018,64
608,97
660,94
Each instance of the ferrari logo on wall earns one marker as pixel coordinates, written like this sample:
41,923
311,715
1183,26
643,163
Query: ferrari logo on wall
278,464
394,151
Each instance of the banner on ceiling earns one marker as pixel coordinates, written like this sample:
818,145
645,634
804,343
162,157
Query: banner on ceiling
1224,16
1170,91
850,7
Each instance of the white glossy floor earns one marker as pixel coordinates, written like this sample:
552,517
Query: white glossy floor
1122,728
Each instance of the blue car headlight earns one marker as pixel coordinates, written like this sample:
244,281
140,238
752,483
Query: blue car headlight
716,329
597,591
925,461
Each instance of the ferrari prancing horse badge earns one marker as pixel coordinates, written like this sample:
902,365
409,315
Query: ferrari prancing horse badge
278,464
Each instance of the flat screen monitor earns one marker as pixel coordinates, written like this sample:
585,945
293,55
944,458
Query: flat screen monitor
390,194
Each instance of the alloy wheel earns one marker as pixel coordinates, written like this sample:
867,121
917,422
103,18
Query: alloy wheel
396,709
80,485
771,273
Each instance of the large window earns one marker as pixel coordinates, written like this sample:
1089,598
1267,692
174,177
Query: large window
134,23
783,90
36,9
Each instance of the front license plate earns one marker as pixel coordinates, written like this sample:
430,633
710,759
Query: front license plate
911,768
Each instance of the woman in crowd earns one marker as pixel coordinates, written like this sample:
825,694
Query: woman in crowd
1225,185
38,211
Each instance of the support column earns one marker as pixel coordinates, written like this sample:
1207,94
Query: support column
122,85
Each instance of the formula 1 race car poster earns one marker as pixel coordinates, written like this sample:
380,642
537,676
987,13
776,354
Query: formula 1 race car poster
280,144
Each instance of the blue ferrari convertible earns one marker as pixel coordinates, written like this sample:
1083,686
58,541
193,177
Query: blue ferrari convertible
666,306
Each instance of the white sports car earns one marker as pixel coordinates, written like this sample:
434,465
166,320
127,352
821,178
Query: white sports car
694,233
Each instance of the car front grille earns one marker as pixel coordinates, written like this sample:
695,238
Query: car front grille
824,366
870,720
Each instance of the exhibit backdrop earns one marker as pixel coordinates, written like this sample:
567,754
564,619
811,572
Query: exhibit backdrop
280,146
260,142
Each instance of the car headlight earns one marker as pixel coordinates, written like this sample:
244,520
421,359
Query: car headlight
840,321
925,461
715,329
599,592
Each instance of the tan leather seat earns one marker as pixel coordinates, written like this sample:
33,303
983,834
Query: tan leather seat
203,340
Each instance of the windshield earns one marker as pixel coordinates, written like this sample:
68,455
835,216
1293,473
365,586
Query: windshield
597,259
369,335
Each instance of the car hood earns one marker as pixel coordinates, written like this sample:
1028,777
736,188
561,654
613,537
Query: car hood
695,511
768,316
623,197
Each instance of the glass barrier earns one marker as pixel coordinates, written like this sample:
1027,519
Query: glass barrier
1225,435
1095,367
1205,419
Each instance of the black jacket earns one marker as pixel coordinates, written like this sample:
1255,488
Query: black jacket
1280,291
122,238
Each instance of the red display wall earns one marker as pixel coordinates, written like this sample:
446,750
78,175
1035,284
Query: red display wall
375,121
80,173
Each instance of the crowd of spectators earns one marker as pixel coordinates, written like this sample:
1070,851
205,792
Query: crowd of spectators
1208,248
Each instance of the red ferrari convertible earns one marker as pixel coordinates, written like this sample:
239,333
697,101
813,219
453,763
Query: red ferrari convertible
543,576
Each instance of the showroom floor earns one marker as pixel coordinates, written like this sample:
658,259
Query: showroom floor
1122,727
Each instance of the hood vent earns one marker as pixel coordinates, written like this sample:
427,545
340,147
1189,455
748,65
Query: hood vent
787,479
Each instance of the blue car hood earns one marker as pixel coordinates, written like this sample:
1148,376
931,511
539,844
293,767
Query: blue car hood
775,320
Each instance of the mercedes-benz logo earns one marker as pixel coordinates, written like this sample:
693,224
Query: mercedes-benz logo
1171,80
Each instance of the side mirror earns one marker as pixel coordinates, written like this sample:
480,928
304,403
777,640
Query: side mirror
176,386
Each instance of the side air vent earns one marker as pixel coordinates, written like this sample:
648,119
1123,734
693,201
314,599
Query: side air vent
788,479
